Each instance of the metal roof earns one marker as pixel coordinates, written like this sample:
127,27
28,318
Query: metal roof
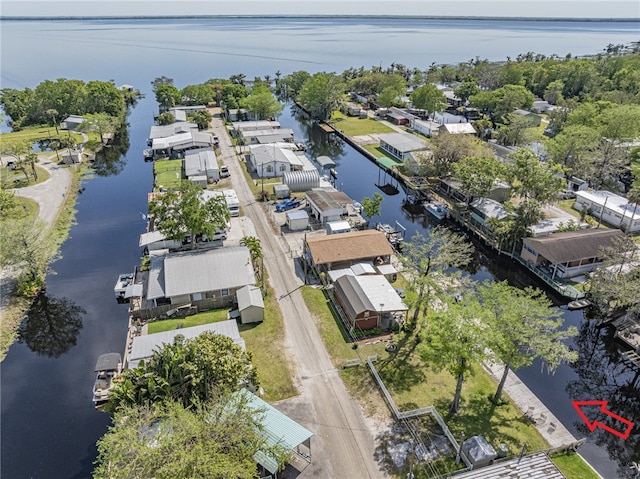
208,270
386,162
326,162
459,128
142,347
403,142
199,162
369,293
133,291
278,429
108,361
535,466
249,296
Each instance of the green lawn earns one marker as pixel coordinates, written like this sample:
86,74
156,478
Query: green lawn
25,207
263,340
17,180
195,320
573,466
168,173
35,133
353,126
413,384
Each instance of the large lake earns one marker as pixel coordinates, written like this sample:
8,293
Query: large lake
49,426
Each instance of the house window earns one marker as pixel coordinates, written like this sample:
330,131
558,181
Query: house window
224,292
196,296
283,167
269,169
366,314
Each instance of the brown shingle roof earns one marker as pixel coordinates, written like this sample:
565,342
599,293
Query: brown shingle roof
572,245
356,245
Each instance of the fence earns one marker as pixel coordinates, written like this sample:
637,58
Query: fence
415,412
190,308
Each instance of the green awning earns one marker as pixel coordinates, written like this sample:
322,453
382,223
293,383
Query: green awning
386,162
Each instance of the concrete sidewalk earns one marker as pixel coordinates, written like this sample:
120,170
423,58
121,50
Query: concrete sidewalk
546,423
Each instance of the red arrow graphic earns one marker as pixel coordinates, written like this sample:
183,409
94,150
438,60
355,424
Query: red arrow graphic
578,405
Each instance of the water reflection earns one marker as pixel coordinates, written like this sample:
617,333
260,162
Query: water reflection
111,160
52,325
604,375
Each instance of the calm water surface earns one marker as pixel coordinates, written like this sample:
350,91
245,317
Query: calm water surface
49,426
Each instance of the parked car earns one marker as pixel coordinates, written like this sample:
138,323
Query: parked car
224,171
567,194
287,204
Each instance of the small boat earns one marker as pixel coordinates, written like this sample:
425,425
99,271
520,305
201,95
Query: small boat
333,172
108,367
124,280
301,146
579,304
438,210
148,154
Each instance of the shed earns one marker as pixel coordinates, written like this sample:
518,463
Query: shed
478,451
277,429
535,466
281,191
250,304
334,227
297,220
325,162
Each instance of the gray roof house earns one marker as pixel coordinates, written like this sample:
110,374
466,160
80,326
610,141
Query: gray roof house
178,278
142,347
267,136
367,299
71,122
269,161
250,304
401,145
202,162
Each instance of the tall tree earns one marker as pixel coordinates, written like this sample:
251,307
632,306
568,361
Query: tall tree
202,118
100,123
167,96
18,150
455,339
255,250
188,370
262,104
185,212
212,440
533,179
478,174
428,97
295,81
322,94
515,130
25,246
372,206
426,257
523,326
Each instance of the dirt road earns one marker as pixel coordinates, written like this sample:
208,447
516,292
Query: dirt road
343,445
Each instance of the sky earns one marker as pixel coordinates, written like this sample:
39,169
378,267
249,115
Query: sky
629,9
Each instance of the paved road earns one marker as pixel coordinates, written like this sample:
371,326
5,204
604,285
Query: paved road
343,445
49,194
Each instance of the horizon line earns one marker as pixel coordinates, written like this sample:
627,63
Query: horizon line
344,15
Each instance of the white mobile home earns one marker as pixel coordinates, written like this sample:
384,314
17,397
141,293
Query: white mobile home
609,208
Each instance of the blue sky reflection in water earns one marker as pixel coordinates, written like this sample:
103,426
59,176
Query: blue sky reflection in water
49,427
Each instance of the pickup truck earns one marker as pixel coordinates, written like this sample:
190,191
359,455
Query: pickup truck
287,204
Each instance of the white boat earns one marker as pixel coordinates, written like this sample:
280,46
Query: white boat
120,288
108,367
579,304
438,210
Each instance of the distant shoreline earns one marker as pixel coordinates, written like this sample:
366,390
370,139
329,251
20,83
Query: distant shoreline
316,17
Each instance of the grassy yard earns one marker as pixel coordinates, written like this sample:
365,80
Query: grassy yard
353,126
263,340
17,180
35,133
573,466
168,173
414,384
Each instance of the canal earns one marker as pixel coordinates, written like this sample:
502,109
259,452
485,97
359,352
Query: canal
49,425
599,374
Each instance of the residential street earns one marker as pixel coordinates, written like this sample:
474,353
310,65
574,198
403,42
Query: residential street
342,445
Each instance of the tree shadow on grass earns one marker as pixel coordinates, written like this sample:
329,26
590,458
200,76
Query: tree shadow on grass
478,416
399,371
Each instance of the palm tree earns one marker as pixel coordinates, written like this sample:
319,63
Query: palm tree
53,113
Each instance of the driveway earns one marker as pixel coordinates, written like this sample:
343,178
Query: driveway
343,444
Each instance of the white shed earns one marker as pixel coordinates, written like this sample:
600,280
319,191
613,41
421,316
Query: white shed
334,227
250,304
297,220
